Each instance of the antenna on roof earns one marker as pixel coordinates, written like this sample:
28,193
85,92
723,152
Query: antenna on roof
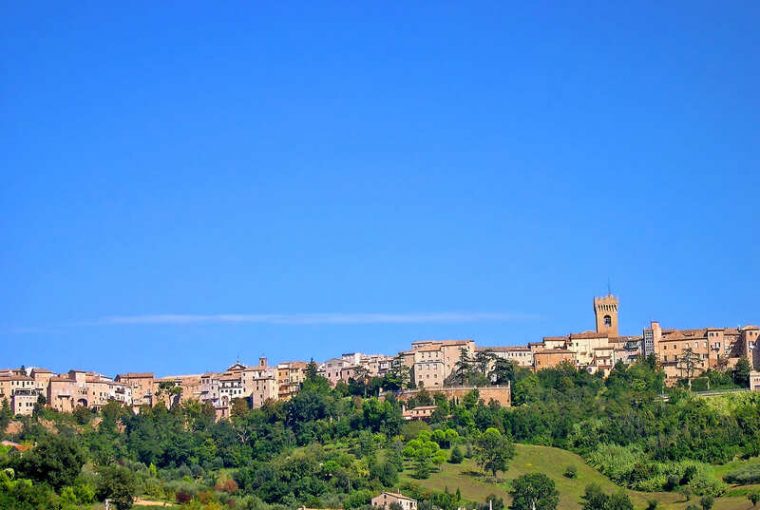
609,287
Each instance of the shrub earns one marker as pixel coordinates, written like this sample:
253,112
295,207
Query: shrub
704,485
571,472
456,456
745,475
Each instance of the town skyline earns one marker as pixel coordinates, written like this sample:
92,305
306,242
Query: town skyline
443,321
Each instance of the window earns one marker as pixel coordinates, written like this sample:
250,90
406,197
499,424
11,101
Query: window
607,320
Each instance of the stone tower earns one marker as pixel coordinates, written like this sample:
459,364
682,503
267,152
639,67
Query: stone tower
606,312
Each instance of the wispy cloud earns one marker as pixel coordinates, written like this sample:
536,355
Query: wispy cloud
313,318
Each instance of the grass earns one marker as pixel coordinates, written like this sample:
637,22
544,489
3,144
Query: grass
475,486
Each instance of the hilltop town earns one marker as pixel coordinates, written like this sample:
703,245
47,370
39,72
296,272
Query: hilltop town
429,364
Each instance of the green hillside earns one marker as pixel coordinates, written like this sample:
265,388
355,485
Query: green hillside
474,486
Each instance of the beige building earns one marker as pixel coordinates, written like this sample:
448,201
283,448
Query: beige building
549,358
290,377
11,382
435,360
582,345
23,400
754,381
418,413
41,378
142,386
386,499
336,370
65,393
715,348
519,355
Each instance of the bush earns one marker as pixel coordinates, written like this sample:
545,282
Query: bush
457,456
571,472
357,499
704,485
745,475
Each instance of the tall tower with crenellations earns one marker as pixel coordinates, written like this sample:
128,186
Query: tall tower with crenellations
606,312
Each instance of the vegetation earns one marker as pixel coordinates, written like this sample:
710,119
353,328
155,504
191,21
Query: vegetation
337,447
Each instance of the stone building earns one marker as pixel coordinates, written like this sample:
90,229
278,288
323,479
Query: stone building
290,376
520,355
142,385
386,499
435,360
709,348
606,315
550,358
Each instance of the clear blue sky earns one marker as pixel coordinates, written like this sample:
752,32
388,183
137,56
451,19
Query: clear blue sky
493,164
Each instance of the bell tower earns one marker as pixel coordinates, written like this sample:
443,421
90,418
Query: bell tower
606,312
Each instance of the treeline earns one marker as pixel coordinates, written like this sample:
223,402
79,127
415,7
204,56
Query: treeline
335,447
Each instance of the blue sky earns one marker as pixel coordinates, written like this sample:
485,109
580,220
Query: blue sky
186,183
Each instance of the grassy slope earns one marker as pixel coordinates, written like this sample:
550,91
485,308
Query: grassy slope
552,462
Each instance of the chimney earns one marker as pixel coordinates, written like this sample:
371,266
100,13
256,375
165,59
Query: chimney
263,361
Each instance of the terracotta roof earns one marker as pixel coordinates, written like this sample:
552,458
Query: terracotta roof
520,348
555,338
684,334
61,379
554,351
40,370
136,375
429,348
587,335
15,378
396,495
443,342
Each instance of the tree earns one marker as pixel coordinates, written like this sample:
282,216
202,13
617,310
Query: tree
117,484
753,497
620,501
57,461
312,370
493,451
5,415
707,502
741,371
689,361
594,498
503,371
534,491
457,456
424,453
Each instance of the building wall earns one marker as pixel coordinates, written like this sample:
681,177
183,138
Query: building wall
606,315
551,358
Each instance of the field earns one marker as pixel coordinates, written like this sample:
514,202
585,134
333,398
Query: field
474,486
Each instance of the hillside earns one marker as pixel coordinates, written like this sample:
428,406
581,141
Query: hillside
474,486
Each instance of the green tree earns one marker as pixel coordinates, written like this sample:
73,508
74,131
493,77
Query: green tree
424,453
57,461
5,415
594,498
117,484
493,451
741,372
534,491
754,498
457,456
706,502
620,501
